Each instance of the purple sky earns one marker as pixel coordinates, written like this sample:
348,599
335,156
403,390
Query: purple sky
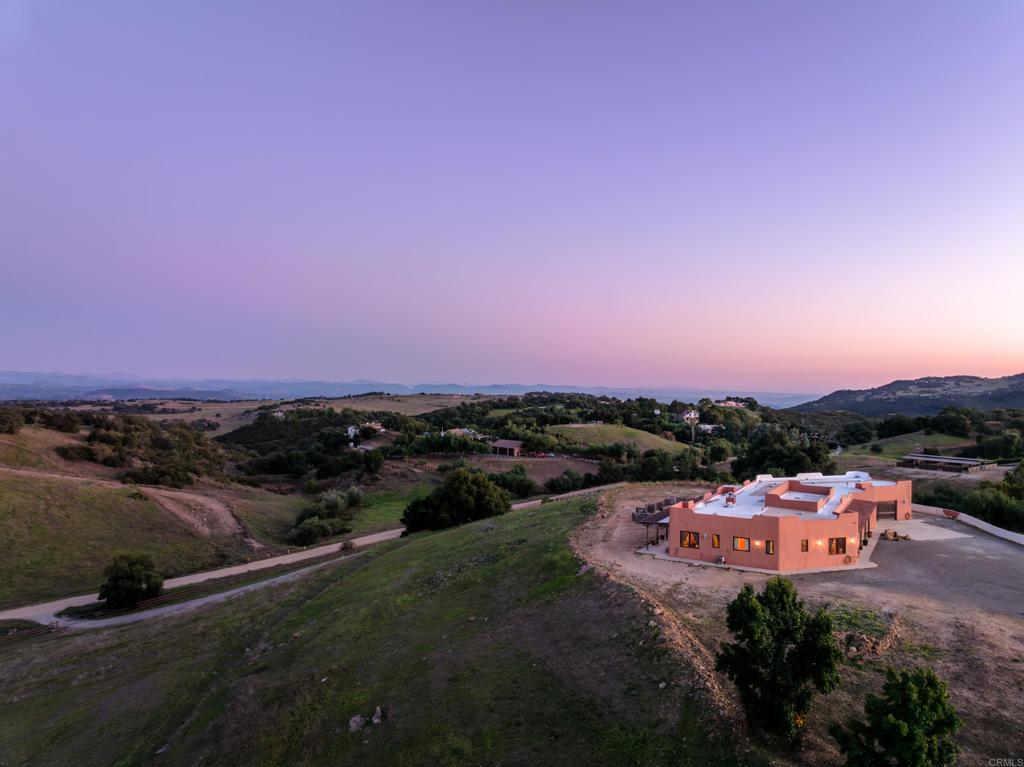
774,196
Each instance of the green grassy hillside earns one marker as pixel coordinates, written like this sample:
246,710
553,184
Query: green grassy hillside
609,434
57,536
483,645
897,447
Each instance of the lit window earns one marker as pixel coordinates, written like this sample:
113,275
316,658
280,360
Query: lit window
716,541
741,544
804,545
769,547
836,545
689,540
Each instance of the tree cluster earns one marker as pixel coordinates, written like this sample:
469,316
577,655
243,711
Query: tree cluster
783,655
329,514
463,496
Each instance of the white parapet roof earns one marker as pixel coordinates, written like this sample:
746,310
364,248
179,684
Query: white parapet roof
749,499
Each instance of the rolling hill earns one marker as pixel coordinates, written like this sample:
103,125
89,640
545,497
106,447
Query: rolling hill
924,396
482,645
610,434
17,385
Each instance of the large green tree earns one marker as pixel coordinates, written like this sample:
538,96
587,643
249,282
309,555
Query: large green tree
774,448
781,656
911,725
463,497
129,580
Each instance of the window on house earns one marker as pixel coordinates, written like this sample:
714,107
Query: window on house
804,545
769,547
836,545
689,540
741,544
716,541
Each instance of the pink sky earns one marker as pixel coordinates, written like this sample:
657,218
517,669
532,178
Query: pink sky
797,197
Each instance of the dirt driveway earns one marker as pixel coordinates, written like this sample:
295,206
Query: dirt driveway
958,603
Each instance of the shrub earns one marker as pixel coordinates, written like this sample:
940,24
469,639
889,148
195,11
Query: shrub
781,656
313,528
11,420
717,450
515,481
169,475
373,460
995,504
911,725
130,579
354,497
565,482
61,420
76,452
876,448
328,515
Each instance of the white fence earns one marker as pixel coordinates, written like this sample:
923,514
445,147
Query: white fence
967,519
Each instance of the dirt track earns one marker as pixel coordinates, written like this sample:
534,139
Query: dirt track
204,514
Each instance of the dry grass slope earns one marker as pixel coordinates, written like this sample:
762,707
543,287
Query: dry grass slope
608,434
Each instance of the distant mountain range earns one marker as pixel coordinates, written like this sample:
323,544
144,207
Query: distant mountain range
924,396
122,386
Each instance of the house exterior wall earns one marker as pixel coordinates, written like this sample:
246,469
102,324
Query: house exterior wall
786,531
900,493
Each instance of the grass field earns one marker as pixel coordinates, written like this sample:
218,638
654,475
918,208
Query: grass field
608,434
383,509
482,645
267,516
57,536
897,447
34,447
406,404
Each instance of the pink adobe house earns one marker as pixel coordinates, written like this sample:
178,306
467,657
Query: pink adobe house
789,524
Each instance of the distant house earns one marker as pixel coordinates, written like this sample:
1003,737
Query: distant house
375,425
729,403
352,431
278,414
460,432
510,447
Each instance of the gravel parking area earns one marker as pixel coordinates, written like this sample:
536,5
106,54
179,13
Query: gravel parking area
977,571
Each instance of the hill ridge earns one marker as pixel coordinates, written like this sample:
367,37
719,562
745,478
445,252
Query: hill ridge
924,396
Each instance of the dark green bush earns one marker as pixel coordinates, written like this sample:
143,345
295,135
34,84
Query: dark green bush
464,496
130,579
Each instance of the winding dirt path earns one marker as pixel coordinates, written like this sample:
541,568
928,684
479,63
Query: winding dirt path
204,514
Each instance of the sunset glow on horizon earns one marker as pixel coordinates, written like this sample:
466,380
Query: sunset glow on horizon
755,197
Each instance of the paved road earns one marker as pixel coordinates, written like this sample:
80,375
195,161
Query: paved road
47,611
